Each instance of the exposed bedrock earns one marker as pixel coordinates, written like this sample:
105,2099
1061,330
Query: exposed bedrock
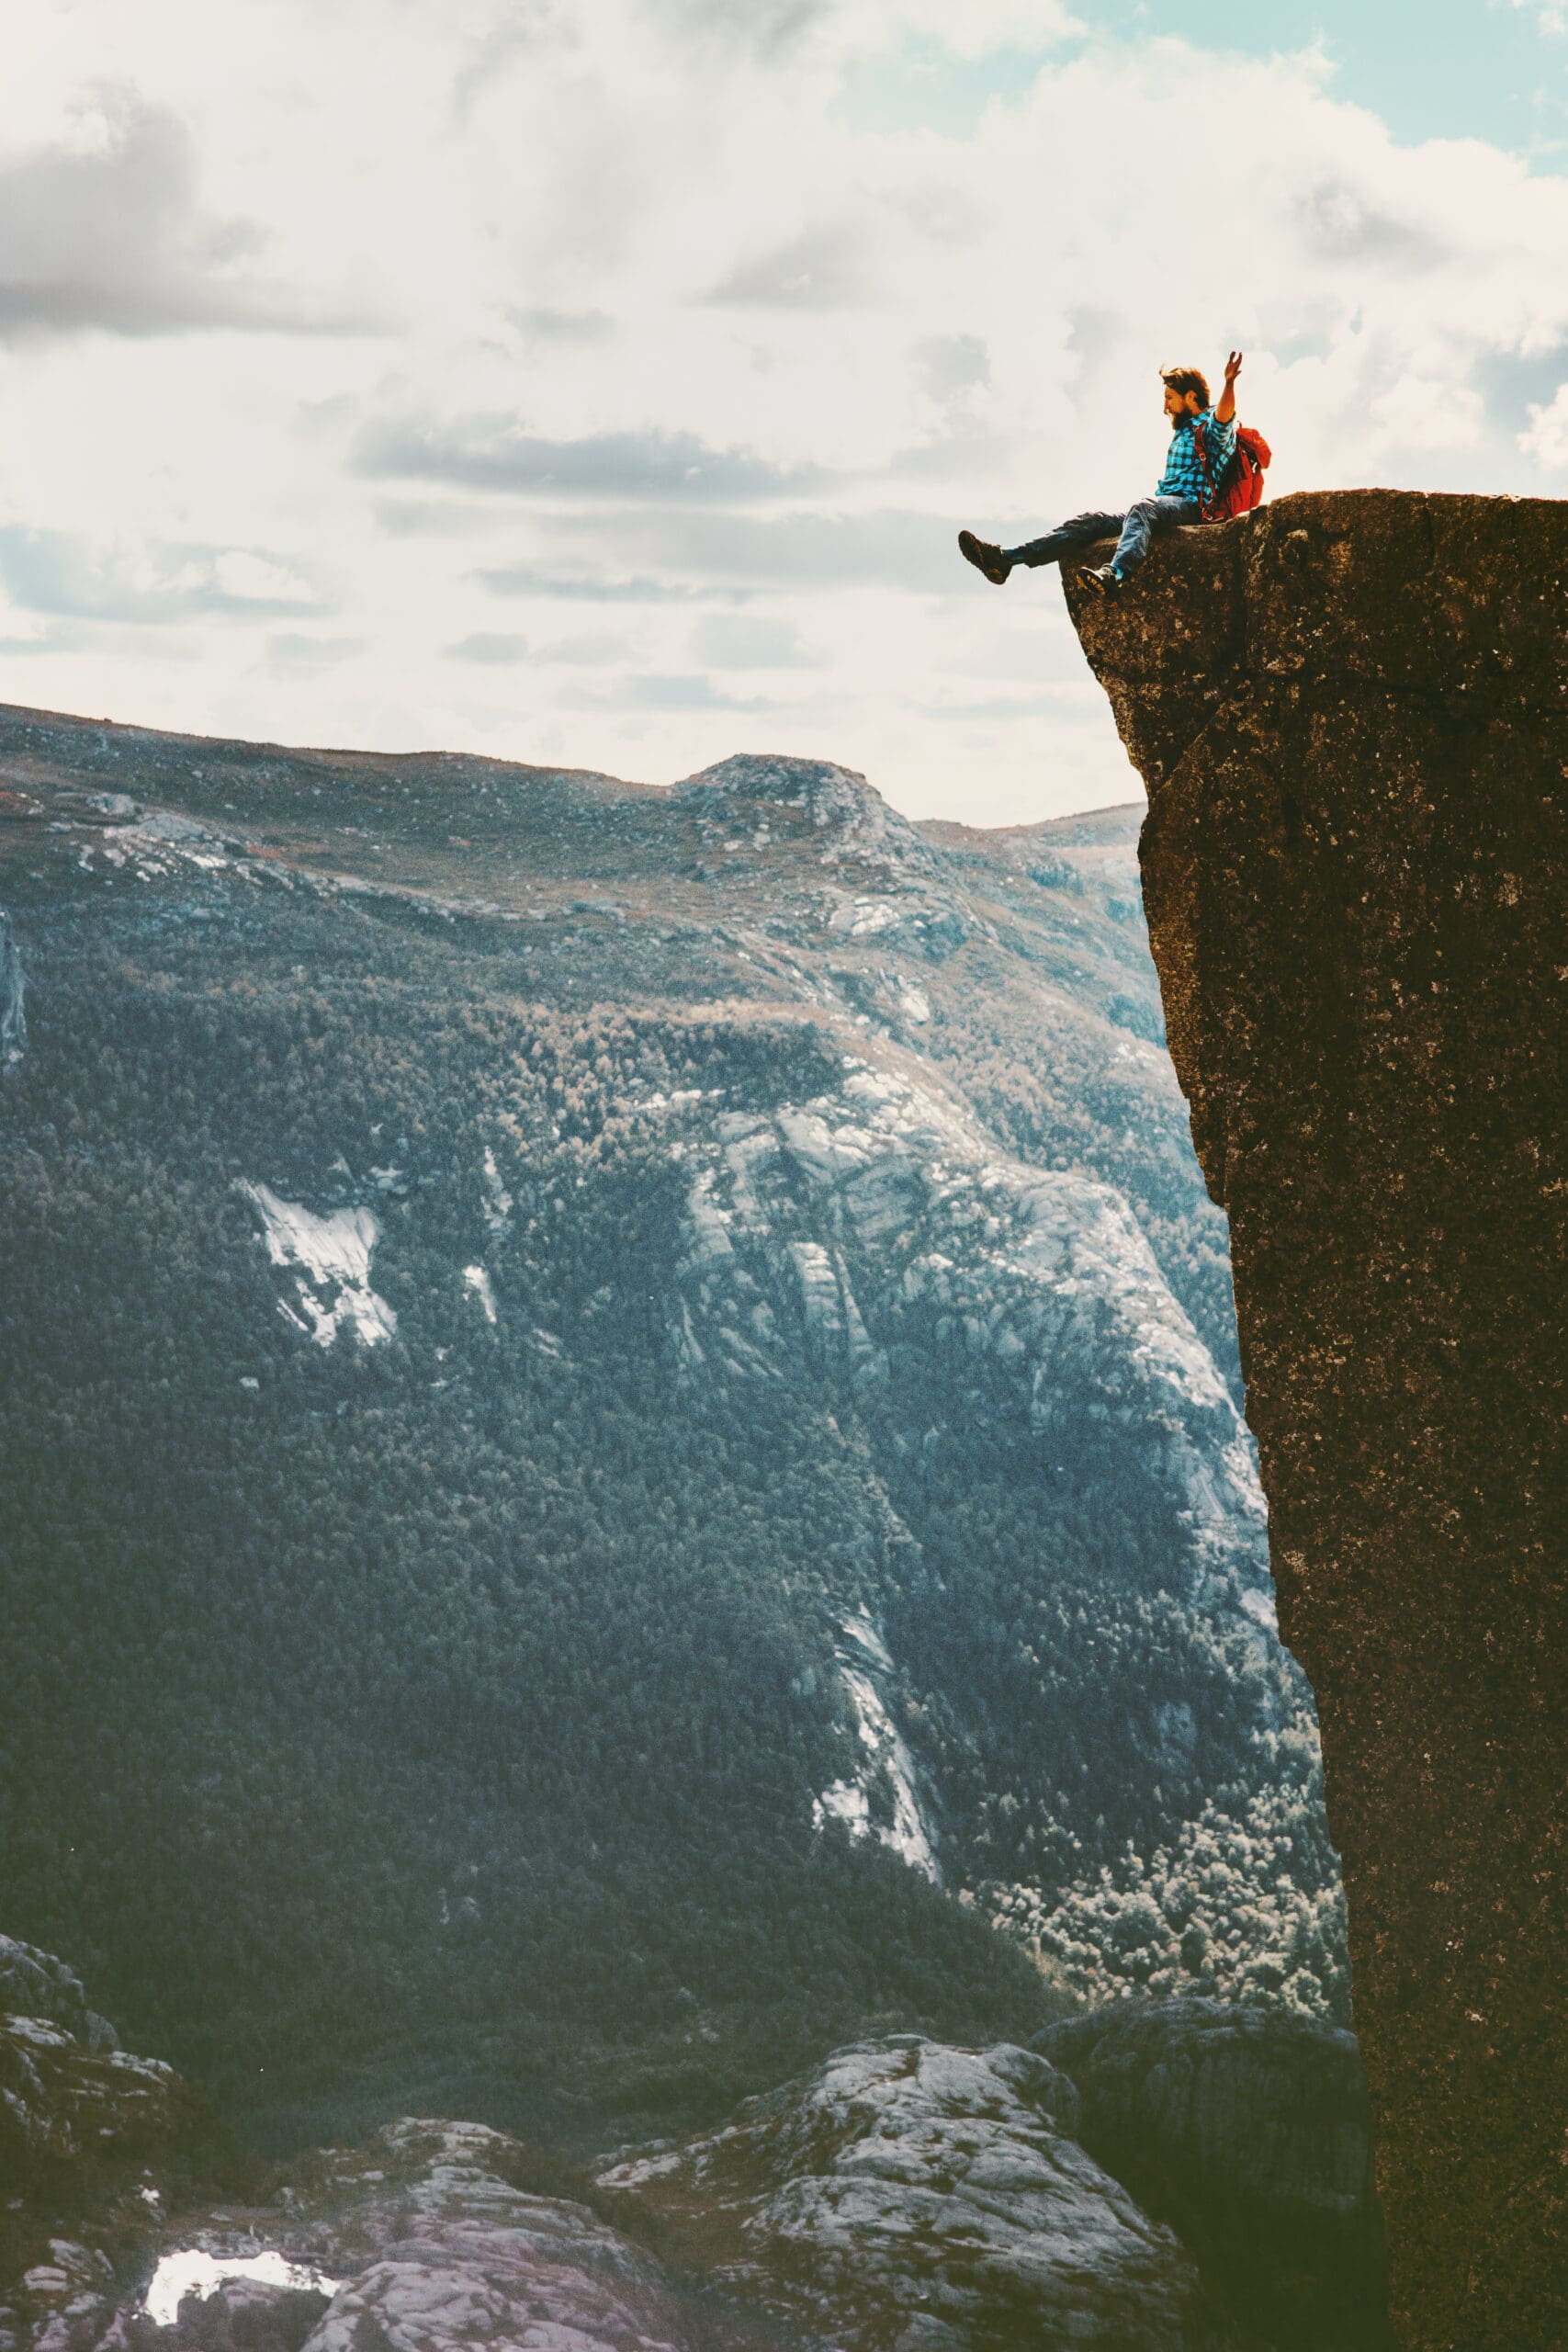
1351,713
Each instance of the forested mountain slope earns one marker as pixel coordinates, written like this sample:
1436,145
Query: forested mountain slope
623,1419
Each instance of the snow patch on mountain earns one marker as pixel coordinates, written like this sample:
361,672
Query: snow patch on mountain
330,1256
192,2270
476,1279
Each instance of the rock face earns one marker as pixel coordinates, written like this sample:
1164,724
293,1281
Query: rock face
34,1984
1351,712
432,2236
428,2243
1249,2131
905,2194
69,2095
962,1255
908,2195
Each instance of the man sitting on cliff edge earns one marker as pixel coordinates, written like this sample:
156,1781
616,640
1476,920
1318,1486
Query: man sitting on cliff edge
1202,443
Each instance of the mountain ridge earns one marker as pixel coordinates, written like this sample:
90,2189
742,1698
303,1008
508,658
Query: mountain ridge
600,1391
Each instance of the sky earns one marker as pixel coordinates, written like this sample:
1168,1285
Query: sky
602,383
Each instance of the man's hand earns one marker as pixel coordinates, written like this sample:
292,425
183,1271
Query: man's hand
1226,408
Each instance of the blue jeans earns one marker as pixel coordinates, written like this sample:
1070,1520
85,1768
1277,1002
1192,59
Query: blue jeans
1137,527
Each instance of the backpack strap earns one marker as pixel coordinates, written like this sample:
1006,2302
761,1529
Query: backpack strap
1200,443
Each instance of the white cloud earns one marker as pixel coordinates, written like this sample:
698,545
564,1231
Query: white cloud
291,649
972,31
489,453
145,582
1419,412
1550,15
675,343
1546,439
751,642
105,226
495,648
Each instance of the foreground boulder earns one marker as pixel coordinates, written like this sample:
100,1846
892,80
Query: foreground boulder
419,2240
1352,712
1249,2131
911,2197
96,2144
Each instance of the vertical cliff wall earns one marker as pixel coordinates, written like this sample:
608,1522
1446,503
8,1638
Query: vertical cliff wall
1352,714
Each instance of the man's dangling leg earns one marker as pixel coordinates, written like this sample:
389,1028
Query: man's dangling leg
995,563
1079,531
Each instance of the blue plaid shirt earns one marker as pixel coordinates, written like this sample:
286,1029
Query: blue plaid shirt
1183,477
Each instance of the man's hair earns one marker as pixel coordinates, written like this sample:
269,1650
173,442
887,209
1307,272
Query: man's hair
1187,379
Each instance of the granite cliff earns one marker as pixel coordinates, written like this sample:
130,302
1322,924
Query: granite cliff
1351,713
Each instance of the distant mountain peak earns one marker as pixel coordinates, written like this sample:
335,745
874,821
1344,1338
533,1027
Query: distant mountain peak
781,776
837,801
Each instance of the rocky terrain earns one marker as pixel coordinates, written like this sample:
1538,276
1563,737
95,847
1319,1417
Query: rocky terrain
908,2193
1351,712
93,2141
632,1439
904,2194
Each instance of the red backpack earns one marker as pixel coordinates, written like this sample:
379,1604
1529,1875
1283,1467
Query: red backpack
1240,487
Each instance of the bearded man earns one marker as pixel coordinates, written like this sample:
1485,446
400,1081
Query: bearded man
1202,443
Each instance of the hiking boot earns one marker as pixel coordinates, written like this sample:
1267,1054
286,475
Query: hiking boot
984,557
1103,580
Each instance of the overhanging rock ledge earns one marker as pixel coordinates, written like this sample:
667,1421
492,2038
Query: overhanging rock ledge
1351,713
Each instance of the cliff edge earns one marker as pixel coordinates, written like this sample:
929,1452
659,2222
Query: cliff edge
1351,713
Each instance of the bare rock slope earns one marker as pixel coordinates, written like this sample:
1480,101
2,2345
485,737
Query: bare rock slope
915,2196
1351,712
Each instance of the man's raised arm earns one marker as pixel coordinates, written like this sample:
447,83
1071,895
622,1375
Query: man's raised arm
1224,409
